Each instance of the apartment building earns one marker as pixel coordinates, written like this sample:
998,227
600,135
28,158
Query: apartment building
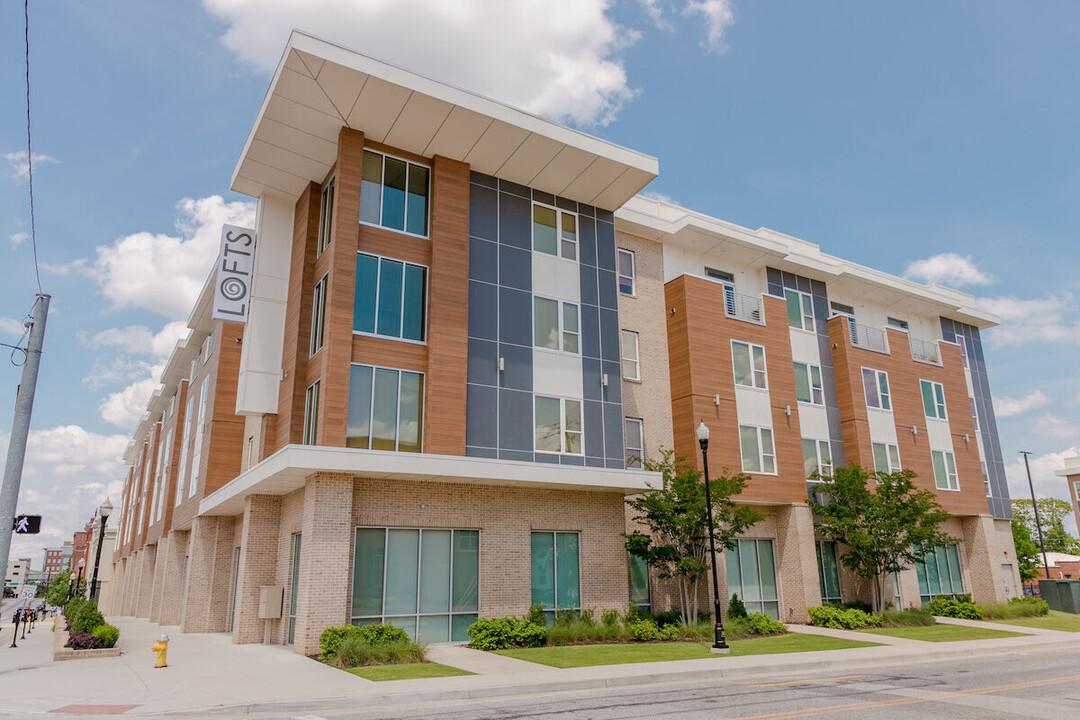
465,332
57,560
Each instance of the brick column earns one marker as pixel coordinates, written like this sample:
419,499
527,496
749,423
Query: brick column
258,564
109,603
981,568
208,575
796,562
325,559
172,585
132,591
146,581
159,578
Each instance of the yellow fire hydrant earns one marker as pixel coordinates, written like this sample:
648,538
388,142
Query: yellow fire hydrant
161,647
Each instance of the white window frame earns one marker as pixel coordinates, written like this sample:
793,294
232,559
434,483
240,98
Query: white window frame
892,456
382,184
759,379
884,397
207,348
165,472
619,254
185,442
817,391
974,412
762,456
823,467
628,339
326,209
196,453
803,299
637,450
562,425
939,400
311,413
559,239
401,307
318,314
948,468
562,332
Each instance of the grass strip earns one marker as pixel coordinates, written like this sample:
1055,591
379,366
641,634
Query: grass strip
406,671
1056,620
942,633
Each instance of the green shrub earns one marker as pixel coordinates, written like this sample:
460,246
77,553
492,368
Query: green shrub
912,617
83,614
956,608
735,608
671,617
837,618
1017,607
108,634
671,632
583,628
354,651
610,617
642,628
761,624
536,615
502,633
375,635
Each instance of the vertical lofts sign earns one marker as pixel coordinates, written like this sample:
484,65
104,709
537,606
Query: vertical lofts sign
232,285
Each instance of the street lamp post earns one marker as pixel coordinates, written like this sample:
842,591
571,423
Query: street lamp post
1035,509
78,581
720,645
103,512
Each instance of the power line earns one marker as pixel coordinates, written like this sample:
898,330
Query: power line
29,148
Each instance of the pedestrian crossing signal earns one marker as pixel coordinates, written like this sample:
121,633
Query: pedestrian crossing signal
27,524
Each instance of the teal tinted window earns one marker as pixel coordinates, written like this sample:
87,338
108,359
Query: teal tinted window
384,409
435,573
545,234
371,188
543,569
358,431
751,573
294,585
402,554
368,561
390,284
466,578
416,215
394,193
547,425
410,412
393,205
828,571
639,582
567,571
414,303
390,298
364,299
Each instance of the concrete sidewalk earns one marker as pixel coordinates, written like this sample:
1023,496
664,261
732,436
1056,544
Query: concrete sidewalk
208,676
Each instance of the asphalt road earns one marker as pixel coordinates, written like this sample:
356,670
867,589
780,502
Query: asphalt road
1035,685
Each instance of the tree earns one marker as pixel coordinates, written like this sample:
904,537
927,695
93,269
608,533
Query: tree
885,528
1052,514
676,544
1027,551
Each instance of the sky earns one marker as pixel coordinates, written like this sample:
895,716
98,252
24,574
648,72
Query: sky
935,141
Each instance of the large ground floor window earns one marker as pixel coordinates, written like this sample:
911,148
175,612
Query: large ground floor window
939,573
426,582
640,596
751,572
294,585
556,571
828,571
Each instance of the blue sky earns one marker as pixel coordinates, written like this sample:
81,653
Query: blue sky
889,135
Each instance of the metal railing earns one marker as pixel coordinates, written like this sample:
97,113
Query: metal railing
868,338
925,351
743,307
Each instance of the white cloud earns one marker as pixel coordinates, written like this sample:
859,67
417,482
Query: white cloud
1055,426
1046,483
1008,407
18,238
164,273
68,472
11,327
1054,318
557,58
655,12
948,269
719,15
119,370
20,168
141,340
654,195
124,407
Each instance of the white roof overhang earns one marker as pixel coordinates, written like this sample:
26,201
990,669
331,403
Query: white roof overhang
320,87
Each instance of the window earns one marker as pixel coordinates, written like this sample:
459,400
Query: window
318,313
394,194
640,597
933,399
626,272
800,310
554,232
207,347
167,463
390,298
876,387
181,477
326,212
939,573
944,470
974,413
426,582
557,425
555,325
721,275
758,455
1076,488
556,571
631,369
808,384
386,409
817,457
963,348
194,370
828,571
986,478
896,323
749,364
634,442
196,454
311,414
751,572
294,586
842,309
727,280
886,458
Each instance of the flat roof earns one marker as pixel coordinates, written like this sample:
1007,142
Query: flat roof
320,87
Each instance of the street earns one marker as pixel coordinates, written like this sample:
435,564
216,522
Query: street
1037,685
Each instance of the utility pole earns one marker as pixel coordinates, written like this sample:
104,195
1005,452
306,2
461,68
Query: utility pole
20,426
1035,508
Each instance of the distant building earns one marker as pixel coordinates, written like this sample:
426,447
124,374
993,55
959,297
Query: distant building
1071,473
17,570
58,559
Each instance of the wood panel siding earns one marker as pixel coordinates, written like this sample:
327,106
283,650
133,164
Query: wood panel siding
699,345
907,410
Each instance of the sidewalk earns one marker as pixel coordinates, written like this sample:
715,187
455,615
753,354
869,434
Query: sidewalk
208,676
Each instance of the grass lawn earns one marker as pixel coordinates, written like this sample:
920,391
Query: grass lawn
942,633
567,656
407,671
1056,620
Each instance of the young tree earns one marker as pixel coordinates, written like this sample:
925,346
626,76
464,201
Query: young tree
676,543
1052,514
886,526
1027,551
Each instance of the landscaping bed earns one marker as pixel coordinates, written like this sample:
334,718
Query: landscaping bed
81,632
60,640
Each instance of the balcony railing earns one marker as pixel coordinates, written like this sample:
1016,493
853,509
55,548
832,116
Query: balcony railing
742,307
924,351
868,338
